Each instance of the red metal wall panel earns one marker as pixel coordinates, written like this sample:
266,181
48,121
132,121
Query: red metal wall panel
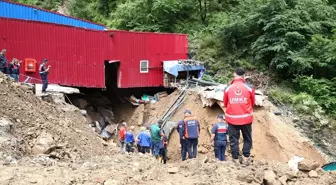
131,47
76,55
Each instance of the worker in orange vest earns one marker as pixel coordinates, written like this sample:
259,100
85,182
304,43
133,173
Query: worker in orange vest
191,130
239,99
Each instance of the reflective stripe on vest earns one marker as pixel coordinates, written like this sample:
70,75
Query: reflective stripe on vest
239,116
186,126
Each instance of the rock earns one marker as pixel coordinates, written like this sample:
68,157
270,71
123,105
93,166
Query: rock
5,125
173,170
206,159
270,178
245,176
313,174
43,143
307,165
100,180
291,175
83,112
9,160
111,182
283,180
136,164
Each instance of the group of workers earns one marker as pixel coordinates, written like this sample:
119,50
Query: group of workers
239,99
13,69
149,140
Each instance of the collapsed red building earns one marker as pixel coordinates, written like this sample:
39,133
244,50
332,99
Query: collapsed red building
92,58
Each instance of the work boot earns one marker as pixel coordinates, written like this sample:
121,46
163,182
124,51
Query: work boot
246,161
235,161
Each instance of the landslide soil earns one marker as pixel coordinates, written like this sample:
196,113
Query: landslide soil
144,169
274,137
31,116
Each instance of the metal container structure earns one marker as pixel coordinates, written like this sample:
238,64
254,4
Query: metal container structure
79,57
132,47
25,12
76,55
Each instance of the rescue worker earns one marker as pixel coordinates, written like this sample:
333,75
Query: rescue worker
122,136
44,71
145,141
156,133
218,135
3,61
239,99
163,148
14,69
191,130
138,141
129,140
179,129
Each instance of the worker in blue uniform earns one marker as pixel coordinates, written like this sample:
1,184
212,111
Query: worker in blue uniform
44,72
219,135
179,129
129,140
145,141
191,130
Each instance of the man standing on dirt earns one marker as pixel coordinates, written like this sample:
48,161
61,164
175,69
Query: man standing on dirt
179,129
191,130
218,135
156,134
44,72
239,99
3,61
122,137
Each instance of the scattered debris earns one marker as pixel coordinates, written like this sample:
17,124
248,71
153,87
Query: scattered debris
307,165
313,174
43,144
173,170
270,178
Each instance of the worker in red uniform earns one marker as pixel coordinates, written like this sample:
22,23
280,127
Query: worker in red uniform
191,130
239,99
122,137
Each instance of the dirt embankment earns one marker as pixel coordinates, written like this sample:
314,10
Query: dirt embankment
274,138
144,169
36,123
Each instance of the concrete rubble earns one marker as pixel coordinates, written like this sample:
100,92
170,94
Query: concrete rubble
214,94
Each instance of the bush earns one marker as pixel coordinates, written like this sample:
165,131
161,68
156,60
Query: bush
323,91
281,96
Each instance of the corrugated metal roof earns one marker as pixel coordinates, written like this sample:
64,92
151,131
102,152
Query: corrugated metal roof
21,11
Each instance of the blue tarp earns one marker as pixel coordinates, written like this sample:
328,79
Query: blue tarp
173,67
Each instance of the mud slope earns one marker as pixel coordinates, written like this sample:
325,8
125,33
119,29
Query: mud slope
273,137
31,117
144,169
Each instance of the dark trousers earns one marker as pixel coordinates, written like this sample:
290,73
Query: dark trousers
145,149
183,149
163,154
129,147
15,77
139,148
192,147
220,147
45,82
234,134
3,70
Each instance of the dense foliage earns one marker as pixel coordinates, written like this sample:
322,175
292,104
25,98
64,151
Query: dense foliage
293,40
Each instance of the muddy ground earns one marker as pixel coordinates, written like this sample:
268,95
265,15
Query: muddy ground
43,143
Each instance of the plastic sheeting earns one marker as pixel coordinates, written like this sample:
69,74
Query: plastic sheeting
173,67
